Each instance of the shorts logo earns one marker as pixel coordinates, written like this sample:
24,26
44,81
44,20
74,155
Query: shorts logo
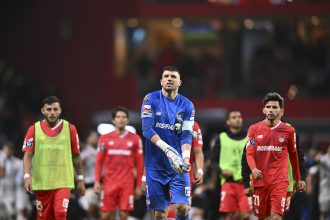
39,207
281,139
148,201
187,190
65,204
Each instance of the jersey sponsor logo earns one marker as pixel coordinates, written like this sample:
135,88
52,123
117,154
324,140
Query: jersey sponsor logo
270,148
52,146
165,126
119,152
158,113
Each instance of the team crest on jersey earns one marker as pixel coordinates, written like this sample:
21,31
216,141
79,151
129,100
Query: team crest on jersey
129,144
281,139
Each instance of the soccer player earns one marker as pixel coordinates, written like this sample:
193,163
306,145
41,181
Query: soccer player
227,153
246,172
269,142
120,152
53,144
167,150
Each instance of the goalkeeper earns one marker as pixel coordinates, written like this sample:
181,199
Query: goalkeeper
167,148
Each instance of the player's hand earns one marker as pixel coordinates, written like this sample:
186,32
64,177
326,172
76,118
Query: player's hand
138,192
81,188
186,167
257,174
299,186
144,187
28,185
248,191
97,187
176,160
198,178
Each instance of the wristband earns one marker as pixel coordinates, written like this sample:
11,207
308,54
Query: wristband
200,171
162,144
27,175
143,179
185,154
80,177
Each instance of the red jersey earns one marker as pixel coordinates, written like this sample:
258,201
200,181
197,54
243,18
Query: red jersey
117,155
197,142
28,145
267,150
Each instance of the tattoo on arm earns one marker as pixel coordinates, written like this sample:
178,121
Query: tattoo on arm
77,163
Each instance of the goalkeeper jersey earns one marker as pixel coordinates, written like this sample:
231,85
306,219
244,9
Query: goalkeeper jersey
159,116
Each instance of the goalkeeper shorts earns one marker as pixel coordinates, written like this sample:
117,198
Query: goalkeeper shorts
165,188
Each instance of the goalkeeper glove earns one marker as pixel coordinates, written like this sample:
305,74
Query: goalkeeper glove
173,157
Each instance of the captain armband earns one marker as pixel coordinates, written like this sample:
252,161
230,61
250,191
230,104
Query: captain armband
187,126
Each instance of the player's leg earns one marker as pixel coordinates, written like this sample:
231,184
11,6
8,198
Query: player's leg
157,192
243,201
261,203
277,196
61,203
126,199
180,190
228,201
44,204
109,201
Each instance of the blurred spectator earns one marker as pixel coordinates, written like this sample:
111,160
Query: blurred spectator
13,200
90,202
324,194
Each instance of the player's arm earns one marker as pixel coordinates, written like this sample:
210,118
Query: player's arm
99,164
28,149
186,133
76,160
246,171
294,161
197,147
250,147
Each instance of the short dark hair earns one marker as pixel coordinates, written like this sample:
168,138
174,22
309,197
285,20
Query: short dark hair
273,96
172,69
50,100
231,111
119,109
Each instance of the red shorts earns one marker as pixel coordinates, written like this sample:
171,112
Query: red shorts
114,196
233,198
288,201
269,198
52,204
